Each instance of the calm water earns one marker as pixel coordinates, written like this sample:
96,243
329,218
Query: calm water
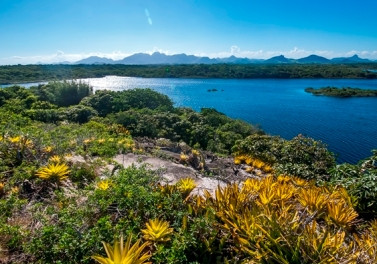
281,107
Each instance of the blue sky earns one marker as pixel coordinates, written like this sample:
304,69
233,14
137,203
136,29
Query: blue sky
49,31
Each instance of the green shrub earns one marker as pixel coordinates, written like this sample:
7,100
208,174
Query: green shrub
361,182
64,93
300,156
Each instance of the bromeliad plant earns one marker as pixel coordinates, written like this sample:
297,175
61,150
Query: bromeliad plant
185,186
157,231
54,171
286,220
103,185
121,253
253,162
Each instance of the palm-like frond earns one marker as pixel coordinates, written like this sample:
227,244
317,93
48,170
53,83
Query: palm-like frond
54,171
157,231
121,253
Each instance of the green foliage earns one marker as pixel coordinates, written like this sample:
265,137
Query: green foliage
45,115
106,102
260,221
37,73
64,93
82,174
209,129
301,156
361,182
80,113
16,99
101,101
342,92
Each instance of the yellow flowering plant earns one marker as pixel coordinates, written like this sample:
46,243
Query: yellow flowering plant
157,231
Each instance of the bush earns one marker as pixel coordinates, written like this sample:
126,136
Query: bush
361,182
106,102
80,113
301,156
64,93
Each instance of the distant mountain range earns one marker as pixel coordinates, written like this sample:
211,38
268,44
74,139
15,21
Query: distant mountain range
160,58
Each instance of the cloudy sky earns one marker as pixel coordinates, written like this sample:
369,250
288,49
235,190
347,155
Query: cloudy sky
49,31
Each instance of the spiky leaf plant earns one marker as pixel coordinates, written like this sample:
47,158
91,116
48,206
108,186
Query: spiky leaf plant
186,185
313,199
341,214
54,171
157,231
124,254
103,185
55,159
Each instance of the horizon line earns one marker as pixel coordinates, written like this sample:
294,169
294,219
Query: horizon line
66,58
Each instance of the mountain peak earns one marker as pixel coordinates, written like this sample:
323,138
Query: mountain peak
279,59
313,59
95,60
161,58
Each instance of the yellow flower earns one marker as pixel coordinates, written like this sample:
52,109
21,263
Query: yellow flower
14,139
267,168
55,159
14,189
283,179
88,140
341,214
266,195
28,143
185,186
124,254
54,171
157,231
284,191
300,182
100,141
249,169
195,152
313,199
249,160
103,185
48,149
258,163
251,186
237,161
183,157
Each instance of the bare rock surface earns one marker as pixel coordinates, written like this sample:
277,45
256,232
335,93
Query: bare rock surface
171,172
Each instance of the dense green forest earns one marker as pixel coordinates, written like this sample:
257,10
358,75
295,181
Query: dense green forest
62,194
37,73
342,92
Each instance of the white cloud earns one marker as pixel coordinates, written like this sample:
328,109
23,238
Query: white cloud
155,49
60,56
234,50
294,53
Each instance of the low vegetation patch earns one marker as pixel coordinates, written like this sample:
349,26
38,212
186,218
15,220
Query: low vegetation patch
63,200
342,92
